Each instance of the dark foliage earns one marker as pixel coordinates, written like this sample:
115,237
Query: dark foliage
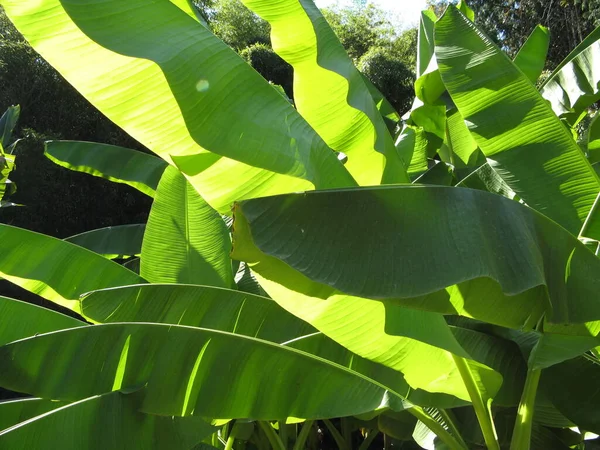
57,201
270,65
510,22
391,76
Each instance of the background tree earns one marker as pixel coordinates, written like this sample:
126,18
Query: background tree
390,75
509,22
57,201
270,65
359,28
237,26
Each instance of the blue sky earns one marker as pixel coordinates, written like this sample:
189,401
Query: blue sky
405,13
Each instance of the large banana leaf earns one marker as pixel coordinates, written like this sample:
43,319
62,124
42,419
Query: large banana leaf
531,57
593,140
118,164
425,42
501,355
109,421
572,387
509,263
459,143
329,91
186,241
112,242
412,148
552,349
513,125
57,270
189,371
196,306
487,179
575,83
417,343
440,174
13,412
21,320
179,90
239,313
428,86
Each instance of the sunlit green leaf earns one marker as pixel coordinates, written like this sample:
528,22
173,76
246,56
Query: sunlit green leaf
397,337
175,105
575,83
108,421
239,313
531,57
21,320
189,371
57,270
412,148
487,179
339,106
118,164
112,242
515,128
497,253
186,241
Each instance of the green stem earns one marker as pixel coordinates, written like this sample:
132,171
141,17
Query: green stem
303,435
521,438
437,428
283,434
346,432
367,442
482,412
259,440
337,436
230,441
274,440
449,419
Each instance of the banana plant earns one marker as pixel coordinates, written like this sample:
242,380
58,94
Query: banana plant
307,269
8,122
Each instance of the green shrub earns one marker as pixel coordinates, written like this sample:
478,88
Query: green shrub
270,65
390,75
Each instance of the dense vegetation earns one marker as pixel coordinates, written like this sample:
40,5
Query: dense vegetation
314,271
510,22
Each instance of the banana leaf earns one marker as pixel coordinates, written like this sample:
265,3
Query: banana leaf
239,313
21,320
112,242
416,343
16,411
103,422
186,241
118,164
151,69
502,262
523,140
339,106
575,83
189,371
8,121
531,57
56,270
